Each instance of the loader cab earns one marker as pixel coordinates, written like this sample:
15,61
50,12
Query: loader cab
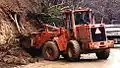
75,18
79,16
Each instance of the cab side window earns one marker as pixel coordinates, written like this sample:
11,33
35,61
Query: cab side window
69,22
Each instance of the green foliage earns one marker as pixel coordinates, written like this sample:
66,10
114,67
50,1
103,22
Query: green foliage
53,16
54,11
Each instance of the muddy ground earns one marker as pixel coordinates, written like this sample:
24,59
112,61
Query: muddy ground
86,61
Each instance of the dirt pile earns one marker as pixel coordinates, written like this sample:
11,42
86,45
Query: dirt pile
12,55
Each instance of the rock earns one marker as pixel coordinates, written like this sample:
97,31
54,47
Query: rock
15,60
18,52
9,59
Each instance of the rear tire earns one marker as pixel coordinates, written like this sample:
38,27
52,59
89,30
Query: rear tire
104,54
73,50
50,51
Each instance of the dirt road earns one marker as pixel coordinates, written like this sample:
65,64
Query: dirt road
86,61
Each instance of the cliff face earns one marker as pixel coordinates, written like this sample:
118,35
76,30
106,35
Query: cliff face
22,5
8,28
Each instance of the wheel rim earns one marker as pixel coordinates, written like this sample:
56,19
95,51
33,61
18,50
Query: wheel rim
70,52
49,52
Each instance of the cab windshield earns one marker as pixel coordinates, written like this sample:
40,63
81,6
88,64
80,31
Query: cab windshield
82,17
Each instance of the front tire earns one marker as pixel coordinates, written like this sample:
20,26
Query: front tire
104,54
73,50
50,51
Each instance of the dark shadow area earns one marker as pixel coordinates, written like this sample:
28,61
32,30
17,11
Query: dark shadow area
34,52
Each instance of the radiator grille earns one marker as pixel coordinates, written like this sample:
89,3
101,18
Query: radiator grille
98,36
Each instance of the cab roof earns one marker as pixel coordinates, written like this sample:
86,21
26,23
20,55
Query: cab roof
76,10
